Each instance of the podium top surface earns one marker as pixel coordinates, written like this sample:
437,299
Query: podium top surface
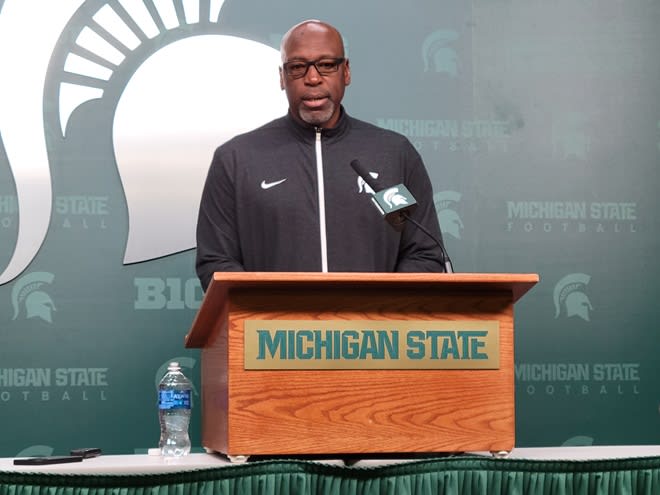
222,282
518,284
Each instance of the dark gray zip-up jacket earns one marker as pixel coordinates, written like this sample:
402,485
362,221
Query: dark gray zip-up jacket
284,197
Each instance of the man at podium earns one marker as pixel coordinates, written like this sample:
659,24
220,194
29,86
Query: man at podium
290,197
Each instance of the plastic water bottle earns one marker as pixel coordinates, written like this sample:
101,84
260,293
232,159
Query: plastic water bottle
174,404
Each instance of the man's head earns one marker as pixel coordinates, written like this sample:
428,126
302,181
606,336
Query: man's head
314,90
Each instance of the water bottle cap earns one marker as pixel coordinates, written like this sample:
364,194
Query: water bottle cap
173,366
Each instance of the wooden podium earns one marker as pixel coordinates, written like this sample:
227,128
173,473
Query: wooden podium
352,411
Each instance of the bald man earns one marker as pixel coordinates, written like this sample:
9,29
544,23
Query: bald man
284,197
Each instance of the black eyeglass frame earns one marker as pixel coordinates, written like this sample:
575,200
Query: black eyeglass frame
337,62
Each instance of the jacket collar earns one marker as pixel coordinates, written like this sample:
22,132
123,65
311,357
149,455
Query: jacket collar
307,132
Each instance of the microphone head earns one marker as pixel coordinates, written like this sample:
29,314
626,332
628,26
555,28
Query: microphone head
393,202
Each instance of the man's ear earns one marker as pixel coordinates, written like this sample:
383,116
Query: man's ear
281,78
347,73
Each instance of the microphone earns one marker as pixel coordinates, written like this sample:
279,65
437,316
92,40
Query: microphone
396,204
391,202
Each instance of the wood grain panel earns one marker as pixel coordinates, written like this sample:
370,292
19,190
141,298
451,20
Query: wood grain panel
253,412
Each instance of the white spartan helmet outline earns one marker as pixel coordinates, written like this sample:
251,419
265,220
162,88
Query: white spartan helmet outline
174,110
569,292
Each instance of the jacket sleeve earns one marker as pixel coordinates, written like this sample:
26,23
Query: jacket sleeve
218,246
419,252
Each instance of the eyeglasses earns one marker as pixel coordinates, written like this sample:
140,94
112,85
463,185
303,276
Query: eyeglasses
324,66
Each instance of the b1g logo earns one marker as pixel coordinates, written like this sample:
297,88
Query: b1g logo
438,53
155,293
148,88
30,299
450,221
570,296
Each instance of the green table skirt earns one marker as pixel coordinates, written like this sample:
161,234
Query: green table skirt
454,475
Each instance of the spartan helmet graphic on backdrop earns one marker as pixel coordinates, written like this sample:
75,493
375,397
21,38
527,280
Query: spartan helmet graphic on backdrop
29,293
439,55
570,294
164,75
450,221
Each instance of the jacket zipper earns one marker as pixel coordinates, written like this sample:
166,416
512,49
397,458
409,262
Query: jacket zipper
321,193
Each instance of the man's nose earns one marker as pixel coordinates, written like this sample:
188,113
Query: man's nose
313,76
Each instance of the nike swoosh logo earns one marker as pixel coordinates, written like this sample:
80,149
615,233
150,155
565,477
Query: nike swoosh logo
268,185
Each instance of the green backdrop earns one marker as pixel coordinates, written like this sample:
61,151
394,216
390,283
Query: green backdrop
539,123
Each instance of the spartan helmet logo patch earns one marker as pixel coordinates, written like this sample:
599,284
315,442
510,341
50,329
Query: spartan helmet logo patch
363,187
569,295
394,198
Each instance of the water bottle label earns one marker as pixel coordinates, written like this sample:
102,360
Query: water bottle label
174,399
